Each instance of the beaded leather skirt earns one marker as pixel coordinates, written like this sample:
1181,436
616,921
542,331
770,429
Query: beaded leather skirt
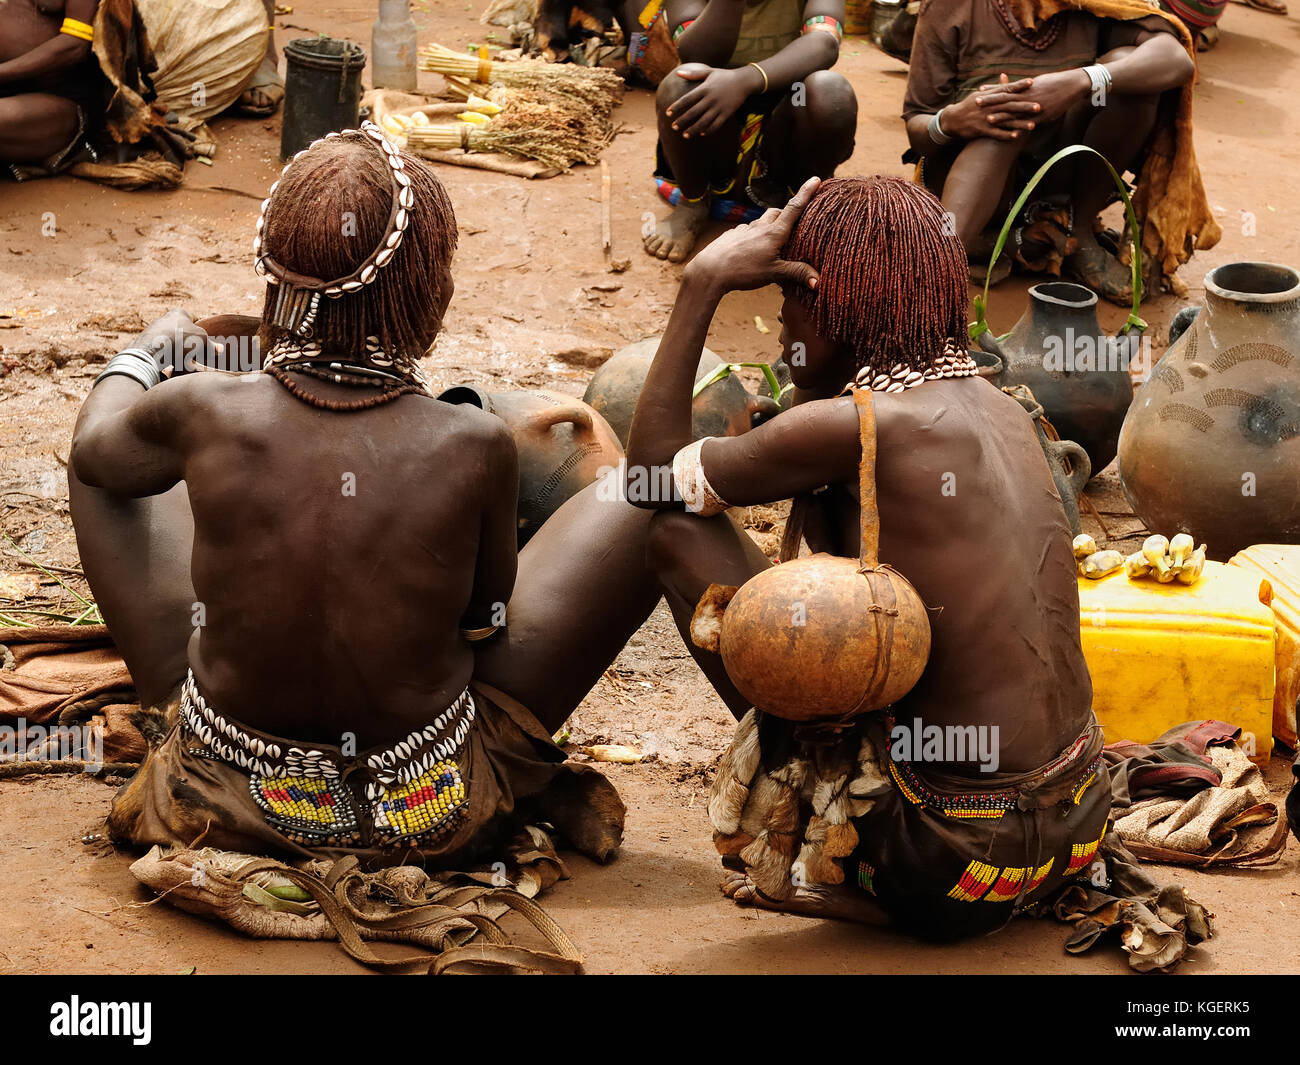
950,857
427,794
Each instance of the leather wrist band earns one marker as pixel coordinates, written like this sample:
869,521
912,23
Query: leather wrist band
135,363
935,130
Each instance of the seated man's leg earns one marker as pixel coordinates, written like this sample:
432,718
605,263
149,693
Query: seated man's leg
35,126
695,161
265,89
1118,131
689,553
809,134
582,591
136,556
976,184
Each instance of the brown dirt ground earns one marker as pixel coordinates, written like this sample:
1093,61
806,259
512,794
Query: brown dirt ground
529,260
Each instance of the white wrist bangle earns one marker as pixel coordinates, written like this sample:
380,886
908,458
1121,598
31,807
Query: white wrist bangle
135,363
936,131
1101,82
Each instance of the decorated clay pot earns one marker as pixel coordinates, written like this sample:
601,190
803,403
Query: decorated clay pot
563,445
1212,444
1076,372
725,407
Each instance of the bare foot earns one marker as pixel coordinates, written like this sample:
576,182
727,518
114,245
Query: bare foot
673,238
837,903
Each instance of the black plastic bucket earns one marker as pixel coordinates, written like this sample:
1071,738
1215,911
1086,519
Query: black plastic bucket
322,90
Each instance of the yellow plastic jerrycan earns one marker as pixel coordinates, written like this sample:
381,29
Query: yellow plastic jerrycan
1279,564
1162,654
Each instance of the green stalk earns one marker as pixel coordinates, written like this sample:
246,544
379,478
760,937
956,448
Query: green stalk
53,576
980,325
728,368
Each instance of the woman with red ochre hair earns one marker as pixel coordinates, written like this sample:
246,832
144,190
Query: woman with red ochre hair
949,843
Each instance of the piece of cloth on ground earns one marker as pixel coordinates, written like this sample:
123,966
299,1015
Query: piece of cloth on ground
1155,923
59,676
322,900
1193,797
220,782
1175,764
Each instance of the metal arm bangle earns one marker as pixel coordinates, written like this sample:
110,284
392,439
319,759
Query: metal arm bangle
935,130
136,363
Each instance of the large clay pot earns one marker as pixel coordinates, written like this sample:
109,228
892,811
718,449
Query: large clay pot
724,408
1075,371
1212,444
563,445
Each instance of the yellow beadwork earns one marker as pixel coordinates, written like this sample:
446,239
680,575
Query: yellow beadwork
1007,886
974,882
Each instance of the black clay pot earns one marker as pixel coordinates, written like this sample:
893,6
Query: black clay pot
1079,375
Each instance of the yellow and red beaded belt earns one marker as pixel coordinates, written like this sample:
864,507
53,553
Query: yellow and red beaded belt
413,790
996,802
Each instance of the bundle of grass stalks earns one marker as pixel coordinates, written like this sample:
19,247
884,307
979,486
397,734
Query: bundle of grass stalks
586,88
529,123
552,135
28,611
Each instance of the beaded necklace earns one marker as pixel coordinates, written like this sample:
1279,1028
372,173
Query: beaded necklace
1038,39
296,357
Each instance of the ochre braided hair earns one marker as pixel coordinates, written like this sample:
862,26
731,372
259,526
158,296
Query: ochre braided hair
329,213
891,274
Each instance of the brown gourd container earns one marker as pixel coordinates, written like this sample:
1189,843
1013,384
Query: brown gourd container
824,637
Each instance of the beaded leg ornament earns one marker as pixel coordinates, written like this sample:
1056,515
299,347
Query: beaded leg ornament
298,297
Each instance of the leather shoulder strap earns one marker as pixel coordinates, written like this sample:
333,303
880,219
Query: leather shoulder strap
870,553
792,535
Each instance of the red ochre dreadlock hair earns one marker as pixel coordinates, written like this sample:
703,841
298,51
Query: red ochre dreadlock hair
891,276
328,214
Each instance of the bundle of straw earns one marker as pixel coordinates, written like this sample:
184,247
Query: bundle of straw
589,88
549,133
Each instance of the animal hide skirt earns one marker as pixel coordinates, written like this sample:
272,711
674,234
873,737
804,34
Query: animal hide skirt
448,793
949,857
802,806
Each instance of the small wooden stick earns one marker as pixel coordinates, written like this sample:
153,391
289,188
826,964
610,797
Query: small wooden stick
1083,496
606,227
